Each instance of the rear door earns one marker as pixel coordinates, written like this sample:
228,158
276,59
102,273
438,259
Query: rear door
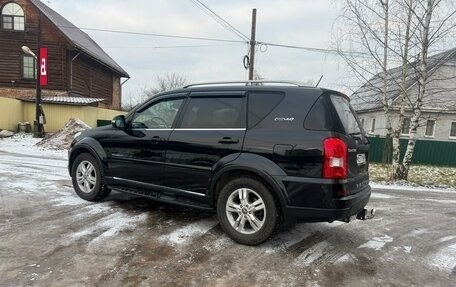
357,143
212,127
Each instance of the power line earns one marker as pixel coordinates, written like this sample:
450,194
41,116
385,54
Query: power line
312,49
219,19
172,47
154,34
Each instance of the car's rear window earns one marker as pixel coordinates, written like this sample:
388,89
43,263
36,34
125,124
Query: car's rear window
260,105
319,117
346,114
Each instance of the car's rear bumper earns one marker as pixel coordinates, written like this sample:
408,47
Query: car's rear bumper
345,207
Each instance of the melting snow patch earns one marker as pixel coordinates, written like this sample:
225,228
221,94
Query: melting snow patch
109,226
410,188
381,195
219,244
407,249
377,243
444,259
183,234
444,201
347,258
97,208
446,238
313,253
68,201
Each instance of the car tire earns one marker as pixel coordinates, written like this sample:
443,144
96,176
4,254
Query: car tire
247,211
87,178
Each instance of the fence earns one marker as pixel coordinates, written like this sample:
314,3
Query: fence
426,152
13,111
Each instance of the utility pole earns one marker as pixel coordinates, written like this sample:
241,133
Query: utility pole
38,127
252,46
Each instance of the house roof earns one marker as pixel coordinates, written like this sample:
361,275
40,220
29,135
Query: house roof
80,39
78,101
368,96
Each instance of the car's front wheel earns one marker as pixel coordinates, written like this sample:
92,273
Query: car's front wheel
247,211
87,178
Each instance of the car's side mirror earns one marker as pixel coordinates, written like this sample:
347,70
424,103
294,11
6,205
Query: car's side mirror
118,122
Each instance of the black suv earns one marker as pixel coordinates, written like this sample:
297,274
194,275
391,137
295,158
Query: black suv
261,154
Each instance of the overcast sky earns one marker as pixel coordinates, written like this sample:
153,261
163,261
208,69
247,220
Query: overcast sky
305,23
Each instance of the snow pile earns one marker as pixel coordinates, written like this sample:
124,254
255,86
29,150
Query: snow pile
62,139
6,134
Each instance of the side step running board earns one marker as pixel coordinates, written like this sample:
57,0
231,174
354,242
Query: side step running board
163,197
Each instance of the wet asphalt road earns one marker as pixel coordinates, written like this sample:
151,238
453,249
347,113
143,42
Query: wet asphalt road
49,237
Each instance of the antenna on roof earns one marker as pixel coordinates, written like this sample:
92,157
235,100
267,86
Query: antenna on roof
319,81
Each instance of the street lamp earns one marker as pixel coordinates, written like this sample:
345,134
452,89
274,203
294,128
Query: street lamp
38,130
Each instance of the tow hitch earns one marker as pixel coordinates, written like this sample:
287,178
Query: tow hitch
362,215
365,214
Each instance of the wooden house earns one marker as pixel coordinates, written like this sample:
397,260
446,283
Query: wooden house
79,71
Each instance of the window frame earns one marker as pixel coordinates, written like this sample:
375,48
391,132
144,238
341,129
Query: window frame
403,125
12,17
372,126
23,67
433,128
449,133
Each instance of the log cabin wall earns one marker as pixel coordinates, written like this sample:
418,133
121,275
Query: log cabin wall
11,53
89,77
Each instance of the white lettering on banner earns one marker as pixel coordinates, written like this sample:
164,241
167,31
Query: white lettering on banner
43,67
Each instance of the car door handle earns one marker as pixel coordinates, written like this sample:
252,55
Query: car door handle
228,140
157,139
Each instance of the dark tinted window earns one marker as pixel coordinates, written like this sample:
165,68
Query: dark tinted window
346,114
260,105
319,117
215,113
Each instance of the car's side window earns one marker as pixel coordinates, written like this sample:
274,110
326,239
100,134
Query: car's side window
215,113
159,115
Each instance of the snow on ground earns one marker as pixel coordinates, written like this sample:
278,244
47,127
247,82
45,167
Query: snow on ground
445,259
186,233
25,144
410,187
36,197
377,243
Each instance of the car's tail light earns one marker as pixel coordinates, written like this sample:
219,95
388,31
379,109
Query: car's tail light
334,158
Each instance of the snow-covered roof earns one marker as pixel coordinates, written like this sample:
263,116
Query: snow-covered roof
80,101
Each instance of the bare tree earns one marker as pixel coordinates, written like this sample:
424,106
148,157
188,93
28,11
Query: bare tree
167,82
386,33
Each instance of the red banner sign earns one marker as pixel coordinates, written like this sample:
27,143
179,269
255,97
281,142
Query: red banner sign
43,66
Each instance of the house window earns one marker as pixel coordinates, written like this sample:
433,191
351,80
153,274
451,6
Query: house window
372,129
430,127
28,67
406,126
453,130
362,123
13,17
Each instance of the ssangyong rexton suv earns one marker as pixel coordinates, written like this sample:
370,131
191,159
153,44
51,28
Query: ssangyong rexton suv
261,154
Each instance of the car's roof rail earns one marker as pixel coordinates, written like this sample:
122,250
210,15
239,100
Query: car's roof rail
248,83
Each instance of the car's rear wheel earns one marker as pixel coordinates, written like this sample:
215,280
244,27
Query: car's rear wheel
247,211
87,178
